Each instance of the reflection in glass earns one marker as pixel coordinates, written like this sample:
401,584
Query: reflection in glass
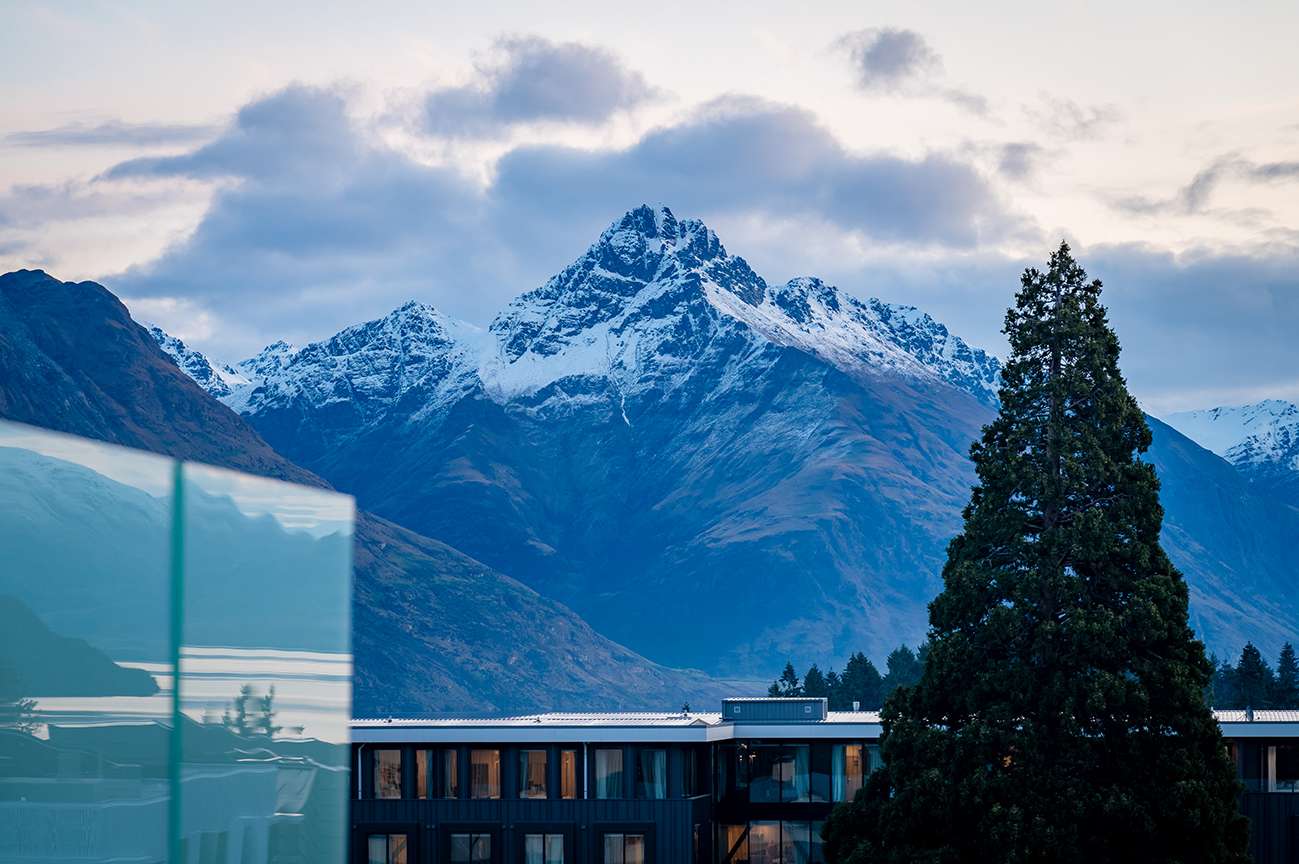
485,774
624,849
382,849
543,849
764,843
608,773
471,849
122,568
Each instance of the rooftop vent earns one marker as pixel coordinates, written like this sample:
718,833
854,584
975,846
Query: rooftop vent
773,710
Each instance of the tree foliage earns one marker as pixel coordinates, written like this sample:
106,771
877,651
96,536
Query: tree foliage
1060,715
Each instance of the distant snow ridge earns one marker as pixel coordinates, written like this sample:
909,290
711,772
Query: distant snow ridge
1259,434
218,379
638,310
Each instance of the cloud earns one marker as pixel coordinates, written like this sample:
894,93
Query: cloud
1019,160
532,80
1070,121
315,224
112,133
1194,197
896,61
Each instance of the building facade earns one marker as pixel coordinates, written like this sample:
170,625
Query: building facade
751,784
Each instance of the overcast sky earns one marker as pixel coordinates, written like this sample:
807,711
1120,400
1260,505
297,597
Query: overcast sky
249,172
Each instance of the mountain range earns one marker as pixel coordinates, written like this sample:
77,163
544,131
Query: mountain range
713,470
433,630
1261,439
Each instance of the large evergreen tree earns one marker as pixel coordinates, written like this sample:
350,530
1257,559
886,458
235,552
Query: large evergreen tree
860,683
814,683
1061,714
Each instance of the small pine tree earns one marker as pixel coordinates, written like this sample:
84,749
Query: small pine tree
787,684
1060,715
835,688
1254,681
1287,679
861,683
903,669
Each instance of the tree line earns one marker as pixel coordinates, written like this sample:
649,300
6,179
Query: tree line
1252,683
861,681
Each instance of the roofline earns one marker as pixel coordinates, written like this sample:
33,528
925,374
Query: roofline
579,734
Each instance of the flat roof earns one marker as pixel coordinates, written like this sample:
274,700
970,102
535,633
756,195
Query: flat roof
699,727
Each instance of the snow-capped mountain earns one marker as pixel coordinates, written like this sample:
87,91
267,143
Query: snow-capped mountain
1261,439
712,470
219,379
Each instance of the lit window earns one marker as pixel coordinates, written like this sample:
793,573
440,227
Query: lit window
386,848
484,774
624,849
387,773
450,774
846,771
608,774
543,849
652,773
471,849
532,773
423,774
568,774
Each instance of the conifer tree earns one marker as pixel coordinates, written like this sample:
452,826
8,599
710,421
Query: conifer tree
834,690
1254,681
1060,716
814,683
787,684
861,683
903,669
1287,679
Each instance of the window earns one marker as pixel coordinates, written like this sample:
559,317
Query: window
608,774
1283,768
845,771
386,848
484,773
764,843
423,773
651,773
532,773
568,774
543,849
387,773
690,773
780,773
624,849
450,774
770,842
732,843
471,848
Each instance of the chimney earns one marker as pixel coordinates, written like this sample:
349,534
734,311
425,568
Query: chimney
856,706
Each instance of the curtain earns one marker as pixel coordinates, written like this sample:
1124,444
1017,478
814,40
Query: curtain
838,774
608,774
654,773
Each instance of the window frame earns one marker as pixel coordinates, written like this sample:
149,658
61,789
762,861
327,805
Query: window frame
490,829
375,773
600,829
567,829
500,773
362,831
523,762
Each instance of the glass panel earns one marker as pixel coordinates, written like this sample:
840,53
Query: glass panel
461,849
396,849
85,649
387,773
822,761
768,771
652,773
554,849
568,774
633,850
853,761
482,849
733,844
266,664
795,774
423,782
764,843
485,773
119,564
450,774
613,849
817,854
532,773
534,849
796,842
1286,773
608,774
378,849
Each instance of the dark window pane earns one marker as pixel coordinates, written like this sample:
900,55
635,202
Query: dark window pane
396,849
733,844
485,774
613,849
764,843
450,774
651,773
608,774
765,781
568,774
378,849
532,773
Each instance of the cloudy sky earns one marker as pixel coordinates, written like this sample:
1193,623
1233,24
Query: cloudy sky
249,172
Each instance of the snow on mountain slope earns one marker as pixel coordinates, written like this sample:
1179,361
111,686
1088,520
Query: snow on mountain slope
619,311
216,378
1261,439
1262,432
